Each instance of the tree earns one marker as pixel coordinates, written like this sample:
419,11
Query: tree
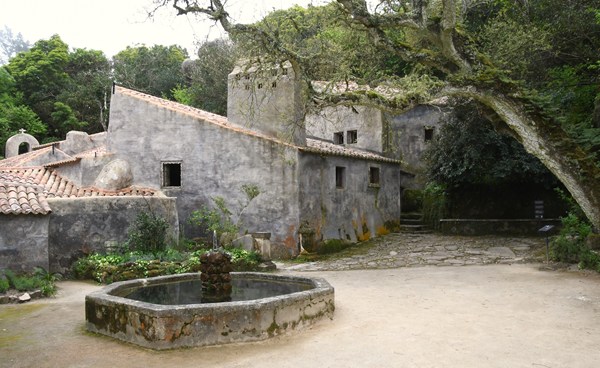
14,115
66,90
443,42
155,70
11,45
207,76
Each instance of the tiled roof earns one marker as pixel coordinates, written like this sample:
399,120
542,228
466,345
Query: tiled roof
312,145
328,148
22,159
25,190
20,195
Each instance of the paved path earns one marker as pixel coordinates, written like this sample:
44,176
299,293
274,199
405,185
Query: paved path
411,250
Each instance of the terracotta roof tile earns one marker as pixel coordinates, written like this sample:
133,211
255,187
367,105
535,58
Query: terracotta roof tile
26,190
328,148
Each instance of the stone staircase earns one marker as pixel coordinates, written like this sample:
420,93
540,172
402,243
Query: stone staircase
412,222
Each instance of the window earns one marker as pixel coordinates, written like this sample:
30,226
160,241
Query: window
340,177
260,85
284,71
428,134
274,84
352,136
338,138
24,148
374,176
171,174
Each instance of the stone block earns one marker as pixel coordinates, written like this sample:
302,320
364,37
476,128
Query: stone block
245,242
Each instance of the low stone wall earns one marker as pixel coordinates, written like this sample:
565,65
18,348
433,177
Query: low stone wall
173,326
79,226
495,226
23,242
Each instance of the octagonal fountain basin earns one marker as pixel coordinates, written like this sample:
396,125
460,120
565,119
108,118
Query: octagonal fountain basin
167,312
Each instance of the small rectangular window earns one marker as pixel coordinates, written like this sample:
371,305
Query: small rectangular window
274,84
428,134
338,138
171,174
352,136
374,176
340,177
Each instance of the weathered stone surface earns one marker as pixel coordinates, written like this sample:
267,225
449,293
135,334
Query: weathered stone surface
24,298
114,176
503,252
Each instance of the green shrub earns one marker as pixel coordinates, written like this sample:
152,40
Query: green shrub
434,204
22,282
243,260
412,200
569,246
148,233
217,219
4,285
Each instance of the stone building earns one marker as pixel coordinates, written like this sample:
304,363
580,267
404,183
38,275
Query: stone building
81,194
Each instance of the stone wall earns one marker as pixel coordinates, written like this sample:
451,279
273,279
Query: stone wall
366,121
406,132
79,226
268,100
358,211
215,162
23,242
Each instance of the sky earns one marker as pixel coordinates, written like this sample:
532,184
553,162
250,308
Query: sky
112,25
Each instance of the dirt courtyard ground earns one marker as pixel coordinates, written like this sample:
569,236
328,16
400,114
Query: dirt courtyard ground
472,316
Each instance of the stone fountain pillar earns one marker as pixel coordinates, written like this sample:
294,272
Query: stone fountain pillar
215,267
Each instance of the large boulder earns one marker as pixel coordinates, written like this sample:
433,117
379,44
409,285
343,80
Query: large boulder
115,175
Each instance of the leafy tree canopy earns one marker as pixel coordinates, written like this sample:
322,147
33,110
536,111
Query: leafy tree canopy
155,70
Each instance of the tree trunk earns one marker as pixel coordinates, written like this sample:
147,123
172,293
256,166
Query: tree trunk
550,143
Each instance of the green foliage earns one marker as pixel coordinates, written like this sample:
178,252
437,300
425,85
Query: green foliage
154,70
207,76
252,191
214,219
467,150
434,204
412,200
148,233
4,284
569,246
40,279
107,268
66,90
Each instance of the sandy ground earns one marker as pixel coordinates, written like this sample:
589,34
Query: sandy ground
476,316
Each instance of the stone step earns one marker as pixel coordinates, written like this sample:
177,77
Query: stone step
411,221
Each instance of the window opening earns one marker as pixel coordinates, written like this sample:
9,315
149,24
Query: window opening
352,136
340,177
374,176
338,138
171,174
284,71
428,134
24,148
260,85
274,84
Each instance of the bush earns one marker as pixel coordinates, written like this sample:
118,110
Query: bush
4,285
217,219
148,233
434,204
569,246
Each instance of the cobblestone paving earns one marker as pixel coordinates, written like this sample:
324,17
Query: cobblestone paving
413,250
